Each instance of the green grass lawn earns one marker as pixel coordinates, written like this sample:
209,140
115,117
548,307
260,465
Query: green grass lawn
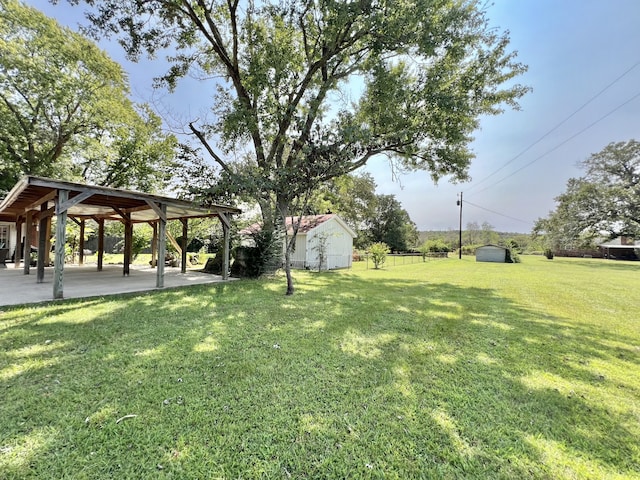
443,369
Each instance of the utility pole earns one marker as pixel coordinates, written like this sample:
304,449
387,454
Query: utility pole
459,202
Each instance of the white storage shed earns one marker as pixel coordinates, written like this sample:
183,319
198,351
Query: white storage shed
323,242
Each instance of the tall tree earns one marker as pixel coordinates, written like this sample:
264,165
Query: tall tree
428,70
54,86
351,196
605,201
392,225
472,233
134,153
59,93
489,236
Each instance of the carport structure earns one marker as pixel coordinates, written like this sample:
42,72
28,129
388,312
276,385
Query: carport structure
35,200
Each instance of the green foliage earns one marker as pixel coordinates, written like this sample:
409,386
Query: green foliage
512,252
378,252
277,71
141,239
267,257
527,243
391,225
64,110
433,246
351,196
202,232
605,199
548,253
470,249
437,246
248,262
134,154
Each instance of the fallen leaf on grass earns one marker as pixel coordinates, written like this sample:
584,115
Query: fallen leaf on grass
125,418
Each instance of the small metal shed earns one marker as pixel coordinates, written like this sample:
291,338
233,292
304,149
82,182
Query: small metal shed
491,253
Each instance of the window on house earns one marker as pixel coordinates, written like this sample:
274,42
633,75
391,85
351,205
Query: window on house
4,236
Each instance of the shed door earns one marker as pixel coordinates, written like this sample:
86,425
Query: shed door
491,254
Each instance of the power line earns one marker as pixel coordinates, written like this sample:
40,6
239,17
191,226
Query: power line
560,144
626,72
497,213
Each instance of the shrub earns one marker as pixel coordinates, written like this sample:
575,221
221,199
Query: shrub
378,252
548,253
433,246
512,252
469,249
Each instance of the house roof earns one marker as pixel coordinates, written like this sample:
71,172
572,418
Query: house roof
618,244
89,201
306,224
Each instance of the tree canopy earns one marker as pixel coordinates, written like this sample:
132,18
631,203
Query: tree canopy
63,100
353,197
391,225
605,201
305,91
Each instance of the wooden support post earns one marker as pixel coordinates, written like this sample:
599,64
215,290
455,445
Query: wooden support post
128,240
100,243
162,245
47,249
154,245
183,263
81,246
42,243
17,252
61,227
225,251
27,242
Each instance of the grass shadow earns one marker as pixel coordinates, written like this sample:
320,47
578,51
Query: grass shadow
350,377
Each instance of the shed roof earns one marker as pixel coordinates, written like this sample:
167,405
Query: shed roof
307,223
491,245
99,202
620,242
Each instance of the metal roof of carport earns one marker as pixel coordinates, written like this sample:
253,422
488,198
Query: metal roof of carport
100,202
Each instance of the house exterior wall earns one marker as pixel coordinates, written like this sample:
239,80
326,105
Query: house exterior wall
299,255
338,249
8,237
491,253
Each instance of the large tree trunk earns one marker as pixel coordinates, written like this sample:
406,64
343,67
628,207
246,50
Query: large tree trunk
282,212
287,269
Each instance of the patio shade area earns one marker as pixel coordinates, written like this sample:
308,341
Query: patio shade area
34,201
83,282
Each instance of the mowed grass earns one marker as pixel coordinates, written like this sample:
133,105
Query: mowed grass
444,369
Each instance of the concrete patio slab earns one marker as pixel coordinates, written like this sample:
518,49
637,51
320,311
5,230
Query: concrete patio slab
85,281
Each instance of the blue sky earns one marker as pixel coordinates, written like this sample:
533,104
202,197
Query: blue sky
574,50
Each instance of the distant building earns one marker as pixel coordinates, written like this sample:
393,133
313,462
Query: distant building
621,248
491,253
